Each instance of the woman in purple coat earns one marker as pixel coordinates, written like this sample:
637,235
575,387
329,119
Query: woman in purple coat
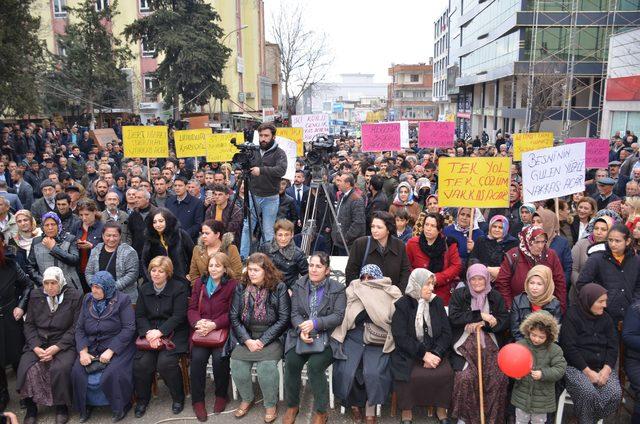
105,340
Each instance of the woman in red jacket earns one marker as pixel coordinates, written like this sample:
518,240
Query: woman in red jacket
209,311
437,253
531,251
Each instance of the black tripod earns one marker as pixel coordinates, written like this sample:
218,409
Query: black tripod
245,178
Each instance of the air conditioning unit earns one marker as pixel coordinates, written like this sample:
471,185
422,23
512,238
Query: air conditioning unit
250,95
241,97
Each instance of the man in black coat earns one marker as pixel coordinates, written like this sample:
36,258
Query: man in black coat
351,216
137,220
377,200
287,207
188,209
300,193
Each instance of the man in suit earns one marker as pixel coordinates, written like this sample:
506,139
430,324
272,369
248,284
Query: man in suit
350,213
14,201
22,188
621,180
300,194
188,210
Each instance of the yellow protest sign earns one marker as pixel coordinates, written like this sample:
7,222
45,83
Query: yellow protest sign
474,182
294,134
145,142
219,147
526,142
191,143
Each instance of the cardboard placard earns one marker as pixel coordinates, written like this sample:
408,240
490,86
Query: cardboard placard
597,153
381,137
436,134
474,182
191,143
145,142
526,142
219,147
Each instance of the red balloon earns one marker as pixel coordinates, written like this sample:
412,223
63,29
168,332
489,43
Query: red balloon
515,360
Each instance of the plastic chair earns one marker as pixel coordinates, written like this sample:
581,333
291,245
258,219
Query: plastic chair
565,399
254,376
329,373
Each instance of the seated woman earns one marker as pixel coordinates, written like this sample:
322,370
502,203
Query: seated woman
419,364
317,308
161,315
538,295
290,260
105,336
209,311
54,247
119,259
213,239
44,373
165,237
474,308
491,249
589,340
259,315
362,372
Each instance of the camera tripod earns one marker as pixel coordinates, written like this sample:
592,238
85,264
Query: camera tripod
309,228
245,178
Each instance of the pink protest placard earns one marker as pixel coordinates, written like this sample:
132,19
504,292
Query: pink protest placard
380,137
436,134
597,151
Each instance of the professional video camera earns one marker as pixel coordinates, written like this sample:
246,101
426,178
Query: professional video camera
321,148
244,158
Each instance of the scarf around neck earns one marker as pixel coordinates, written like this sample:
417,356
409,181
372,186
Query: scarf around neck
544,272
435,251
259,296
417,280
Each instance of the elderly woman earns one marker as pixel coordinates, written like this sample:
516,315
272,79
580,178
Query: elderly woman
419,364
105,334
437,253
44,373
589,340
317,308
285,255
213,239
260,313
538,295
161,316
459,231
477,308
362,373
491,249
531,251
15,286
28,230
381,248
119,259
404,201
166,238
209,311
54,248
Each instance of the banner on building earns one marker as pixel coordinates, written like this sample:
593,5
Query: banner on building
145,142
381,137
295,134
474,182
268,114
312,125
596,151
526,142
191,143
219,147
436,134
553,172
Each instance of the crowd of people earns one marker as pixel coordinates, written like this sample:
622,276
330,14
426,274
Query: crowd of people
116,270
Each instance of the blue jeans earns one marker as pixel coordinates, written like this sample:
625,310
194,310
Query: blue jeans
268,208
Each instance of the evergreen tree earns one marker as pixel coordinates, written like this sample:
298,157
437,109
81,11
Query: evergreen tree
21,58
90,67
185,33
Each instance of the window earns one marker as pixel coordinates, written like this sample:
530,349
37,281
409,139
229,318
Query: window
150,84
102,5
419,94
414,78
148,49
59,10
145,6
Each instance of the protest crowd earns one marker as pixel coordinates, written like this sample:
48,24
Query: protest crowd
117,272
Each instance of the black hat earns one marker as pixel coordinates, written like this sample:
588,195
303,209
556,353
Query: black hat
72,187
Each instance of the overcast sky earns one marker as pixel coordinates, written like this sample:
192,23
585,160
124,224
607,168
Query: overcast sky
367,36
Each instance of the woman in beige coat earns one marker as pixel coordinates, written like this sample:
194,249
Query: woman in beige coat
212,240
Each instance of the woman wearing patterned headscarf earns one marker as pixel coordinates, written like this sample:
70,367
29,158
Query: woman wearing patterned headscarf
105,340
404,200
531,251
44,373
419,364
54,248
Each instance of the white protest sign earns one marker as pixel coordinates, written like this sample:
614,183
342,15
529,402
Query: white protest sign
553,172
289,148
312,125
404,133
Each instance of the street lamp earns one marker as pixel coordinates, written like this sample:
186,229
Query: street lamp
221,73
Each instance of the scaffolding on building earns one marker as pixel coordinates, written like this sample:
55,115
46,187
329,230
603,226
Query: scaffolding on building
559,69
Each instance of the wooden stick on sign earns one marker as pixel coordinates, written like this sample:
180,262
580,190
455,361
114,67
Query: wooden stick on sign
473,215
480,381
557,209
148,169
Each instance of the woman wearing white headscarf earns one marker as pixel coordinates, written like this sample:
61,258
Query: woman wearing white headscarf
419,364
44,373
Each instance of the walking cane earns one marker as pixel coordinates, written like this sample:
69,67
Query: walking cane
480,384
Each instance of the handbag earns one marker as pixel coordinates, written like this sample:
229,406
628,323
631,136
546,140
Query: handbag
165,343
319,344
214,338
95,366
374,335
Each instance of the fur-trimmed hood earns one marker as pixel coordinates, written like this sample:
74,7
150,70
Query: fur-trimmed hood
227,240
542,318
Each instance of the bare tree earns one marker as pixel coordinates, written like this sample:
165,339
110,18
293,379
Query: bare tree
304,54
548,91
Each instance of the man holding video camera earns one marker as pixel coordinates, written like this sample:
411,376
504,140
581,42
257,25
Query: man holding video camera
268,166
